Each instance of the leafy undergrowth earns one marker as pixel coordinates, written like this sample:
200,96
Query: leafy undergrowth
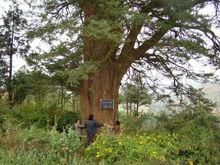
187,138
184,147
39,146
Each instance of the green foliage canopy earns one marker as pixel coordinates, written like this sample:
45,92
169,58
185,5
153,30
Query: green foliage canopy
31,83
163,37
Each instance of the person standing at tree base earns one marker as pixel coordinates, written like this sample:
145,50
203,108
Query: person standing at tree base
91,128
79,127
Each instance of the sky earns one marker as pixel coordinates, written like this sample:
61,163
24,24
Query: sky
19,62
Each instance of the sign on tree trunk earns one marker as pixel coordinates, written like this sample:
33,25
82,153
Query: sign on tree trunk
106,104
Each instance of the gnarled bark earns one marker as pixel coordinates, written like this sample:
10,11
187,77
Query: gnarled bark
104,84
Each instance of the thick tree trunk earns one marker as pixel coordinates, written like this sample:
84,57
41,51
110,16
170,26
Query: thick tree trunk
104,84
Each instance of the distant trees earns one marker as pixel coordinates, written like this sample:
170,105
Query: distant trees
12,43
135,93
32,83
40,86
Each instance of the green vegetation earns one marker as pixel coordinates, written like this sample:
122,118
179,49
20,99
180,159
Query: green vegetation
13,42
85,50
191,136
135,93
91,45
192,143
38,146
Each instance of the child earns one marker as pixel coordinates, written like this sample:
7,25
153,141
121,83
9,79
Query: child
116,127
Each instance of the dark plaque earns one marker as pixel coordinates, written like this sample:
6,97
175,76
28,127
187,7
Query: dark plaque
106,104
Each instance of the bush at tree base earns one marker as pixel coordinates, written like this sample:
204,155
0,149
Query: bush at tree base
67,120
181,139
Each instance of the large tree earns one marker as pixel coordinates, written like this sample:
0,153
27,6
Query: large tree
163,36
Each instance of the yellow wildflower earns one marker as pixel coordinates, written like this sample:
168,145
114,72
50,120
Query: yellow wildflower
190,162
98,154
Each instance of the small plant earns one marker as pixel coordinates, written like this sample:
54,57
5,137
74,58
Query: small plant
65,142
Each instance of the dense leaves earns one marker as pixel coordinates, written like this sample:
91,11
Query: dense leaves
184,137
35,83
67,120
163,38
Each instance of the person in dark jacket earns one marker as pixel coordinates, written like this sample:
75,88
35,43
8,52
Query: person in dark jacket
91,128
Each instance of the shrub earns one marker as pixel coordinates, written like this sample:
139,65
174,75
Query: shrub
132,124
196,143
198,134
184,138
65,142
131,148
67,120
38,146
35,112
